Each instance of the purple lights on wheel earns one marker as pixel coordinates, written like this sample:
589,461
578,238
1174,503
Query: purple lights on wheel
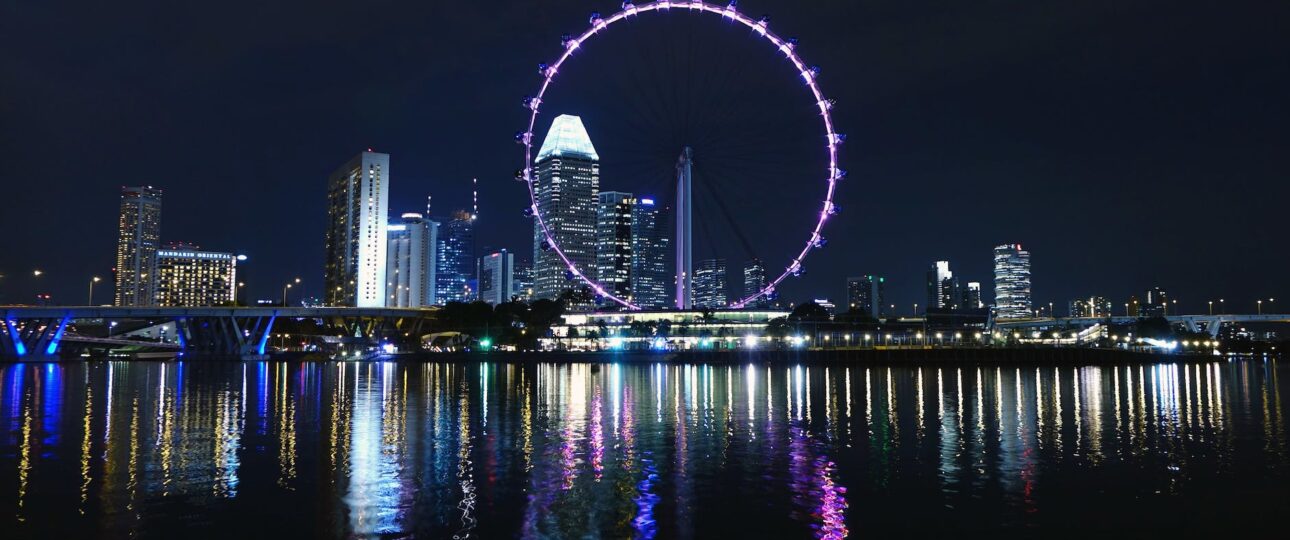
759,26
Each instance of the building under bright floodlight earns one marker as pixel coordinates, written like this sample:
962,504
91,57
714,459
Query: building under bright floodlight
357,207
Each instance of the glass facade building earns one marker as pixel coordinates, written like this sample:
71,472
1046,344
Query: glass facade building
1012,282
942,287
710,284
614,246
497,277
138,237
357,216
650,278
754,282
566,182
455,254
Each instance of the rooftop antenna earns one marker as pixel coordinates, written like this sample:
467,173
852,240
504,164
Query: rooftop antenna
474,187
428,199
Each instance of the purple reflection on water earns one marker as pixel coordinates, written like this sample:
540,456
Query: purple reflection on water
645,500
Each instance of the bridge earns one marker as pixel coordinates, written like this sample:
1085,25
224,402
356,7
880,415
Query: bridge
1194,323
39,332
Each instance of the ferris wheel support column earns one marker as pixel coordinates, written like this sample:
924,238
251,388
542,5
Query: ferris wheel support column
684,248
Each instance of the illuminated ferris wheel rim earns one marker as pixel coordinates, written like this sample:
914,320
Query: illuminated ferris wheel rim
759,27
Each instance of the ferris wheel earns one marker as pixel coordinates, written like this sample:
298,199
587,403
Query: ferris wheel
759,27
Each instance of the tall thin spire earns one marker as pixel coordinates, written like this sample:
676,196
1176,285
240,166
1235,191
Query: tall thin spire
474,194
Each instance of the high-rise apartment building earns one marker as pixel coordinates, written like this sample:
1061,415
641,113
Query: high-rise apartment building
566,181
187,276
650,278
455,259
865,295
410,261
1093,306
1011,282
710,284
754,282
614,253
942,287
497,277
357,213
138,237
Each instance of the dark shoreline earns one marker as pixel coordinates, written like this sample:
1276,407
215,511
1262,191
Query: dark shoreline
982,356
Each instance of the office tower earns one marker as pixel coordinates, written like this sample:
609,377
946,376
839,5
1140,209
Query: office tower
684,235
523,272
614,242
710,284
455,259
497,277
566,181
971,296
865,295
650,277
138,237
188,276
410,262
1011,282
1157,304
357,211
942,287
754,282
1133,308
1093,306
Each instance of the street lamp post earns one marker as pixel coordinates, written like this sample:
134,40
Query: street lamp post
1260,303
284,291
1211,307
90,301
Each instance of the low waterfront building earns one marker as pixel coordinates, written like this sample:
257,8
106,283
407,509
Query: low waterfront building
187,277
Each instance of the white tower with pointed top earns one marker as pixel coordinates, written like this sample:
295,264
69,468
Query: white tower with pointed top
567,186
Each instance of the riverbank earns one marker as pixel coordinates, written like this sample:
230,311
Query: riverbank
957,356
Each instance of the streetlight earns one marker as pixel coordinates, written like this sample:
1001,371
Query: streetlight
36,273
1211,307
915,309
1260,303
93,280
1050,311
1221,308
284,292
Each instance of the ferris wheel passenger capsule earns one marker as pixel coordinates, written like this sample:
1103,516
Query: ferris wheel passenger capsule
839,174
839,138
834,209
544,245
523,137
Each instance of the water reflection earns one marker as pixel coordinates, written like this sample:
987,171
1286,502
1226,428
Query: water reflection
660,450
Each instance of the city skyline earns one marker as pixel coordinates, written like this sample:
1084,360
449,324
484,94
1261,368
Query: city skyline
258,217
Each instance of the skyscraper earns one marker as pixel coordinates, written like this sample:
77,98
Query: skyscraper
497,277
357,211
942,287
710,284
1011,282
650,278
614,242
411,263
138,237
188,276
865,295
524,280
972,296
455,258
754,282
566,184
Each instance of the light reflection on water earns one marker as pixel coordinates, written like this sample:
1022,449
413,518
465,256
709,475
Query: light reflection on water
633,450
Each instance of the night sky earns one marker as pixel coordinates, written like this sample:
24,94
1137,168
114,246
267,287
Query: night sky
1125,144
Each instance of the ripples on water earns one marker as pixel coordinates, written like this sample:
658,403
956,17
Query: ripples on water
636,450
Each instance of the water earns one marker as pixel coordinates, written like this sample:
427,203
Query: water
161,450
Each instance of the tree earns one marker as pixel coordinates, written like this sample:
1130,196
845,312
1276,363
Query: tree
809,312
